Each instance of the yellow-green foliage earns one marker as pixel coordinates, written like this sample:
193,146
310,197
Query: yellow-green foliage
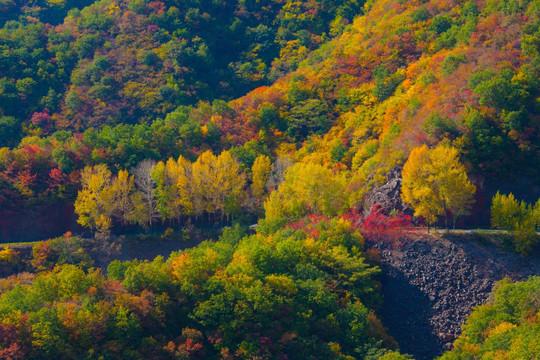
306,292
6,255
519,218
260,171
59,251
308,188
508,327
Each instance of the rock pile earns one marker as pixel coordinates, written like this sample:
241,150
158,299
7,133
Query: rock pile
431,283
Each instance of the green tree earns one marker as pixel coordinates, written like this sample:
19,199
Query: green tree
507,212
10,129
307,189
519,218
507,327
173,196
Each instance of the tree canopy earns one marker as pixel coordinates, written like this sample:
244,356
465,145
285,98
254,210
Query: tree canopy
435,184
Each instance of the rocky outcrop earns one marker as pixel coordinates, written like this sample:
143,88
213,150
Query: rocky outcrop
430,285
387,195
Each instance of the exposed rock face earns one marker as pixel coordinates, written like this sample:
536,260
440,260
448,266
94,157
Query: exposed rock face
387,195
431,284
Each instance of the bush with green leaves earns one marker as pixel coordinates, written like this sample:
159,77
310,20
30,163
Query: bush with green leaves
507,327
519,218
66,249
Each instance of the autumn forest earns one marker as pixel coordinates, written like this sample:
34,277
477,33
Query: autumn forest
212,179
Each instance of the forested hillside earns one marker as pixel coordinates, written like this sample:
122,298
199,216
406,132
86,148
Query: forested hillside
294,294
324,122
463,73
130,62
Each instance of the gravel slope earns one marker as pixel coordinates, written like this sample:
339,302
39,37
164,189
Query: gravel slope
431,283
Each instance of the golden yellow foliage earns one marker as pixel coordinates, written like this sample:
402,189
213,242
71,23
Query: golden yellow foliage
435,183
91,203
217,183
259,175
308,188
502,328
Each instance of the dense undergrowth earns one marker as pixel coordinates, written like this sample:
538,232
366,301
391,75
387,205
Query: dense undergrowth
305,293
507,327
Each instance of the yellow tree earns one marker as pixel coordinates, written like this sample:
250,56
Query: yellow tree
216,184
307,188
92,200
172,193
202,183
229,182
435,184
182,175
260,172
118,197
163,189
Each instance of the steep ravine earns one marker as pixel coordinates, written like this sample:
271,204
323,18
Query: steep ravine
430,285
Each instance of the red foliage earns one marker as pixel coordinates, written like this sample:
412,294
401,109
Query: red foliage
152,29
378,226
26,178
42,119
189,349
42,253
157,6
9,348
309,224
352,66
56,178
12,352
8,334
265,344
406,46
236,131
32,150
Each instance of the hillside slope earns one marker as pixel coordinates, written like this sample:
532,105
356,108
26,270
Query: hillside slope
463,73
132,61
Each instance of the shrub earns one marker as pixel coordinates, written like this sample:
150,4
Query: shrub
10,260
505,328
62,250
519,218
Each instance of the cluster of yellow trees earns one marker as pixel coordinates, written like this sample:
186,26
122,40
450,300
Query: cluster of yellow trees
167,191
435,184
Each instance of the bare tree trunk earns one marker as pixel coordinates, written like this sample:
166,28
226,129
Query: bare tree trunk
146,184
277,172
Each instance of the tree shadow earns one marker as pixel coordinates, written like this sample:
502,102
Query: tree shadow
406,313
